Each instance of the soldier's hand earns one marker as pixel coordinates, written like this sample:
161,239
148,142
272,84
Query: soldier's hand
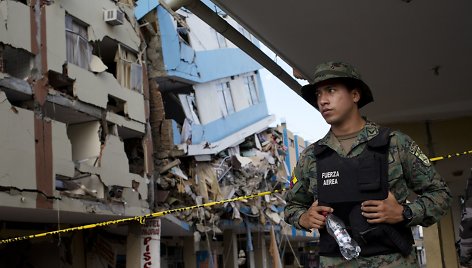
386,211
313,217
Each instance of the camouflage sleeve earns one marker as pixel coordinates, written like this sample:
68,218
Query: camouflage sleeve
465,235
301,195
433,198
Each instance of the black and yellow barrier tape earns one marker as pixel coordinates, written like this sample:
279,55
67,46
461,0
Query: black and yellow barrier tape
140,219
438,158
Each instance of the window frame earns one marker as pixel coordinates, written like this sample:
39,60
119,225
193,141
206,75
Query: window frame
79,53
253,92
225,98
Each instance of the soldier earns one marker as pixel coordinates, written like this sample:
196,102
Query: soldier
362,173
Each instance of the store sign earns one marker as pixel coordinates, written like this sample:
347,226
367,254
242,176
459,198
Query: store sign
151,244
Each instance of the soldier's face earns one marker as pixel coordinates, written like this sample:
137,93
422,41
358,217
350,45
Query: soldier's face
336,103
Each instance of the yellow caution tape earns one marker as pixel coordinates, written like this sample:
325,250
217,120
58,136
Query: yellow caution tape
140,219
450,156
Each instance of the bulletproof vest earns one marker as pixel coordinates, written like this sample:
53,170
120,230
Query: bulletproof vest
344,183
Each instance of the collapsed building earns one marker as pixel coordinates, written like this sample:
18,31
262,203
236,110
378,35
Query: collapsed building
212,138
75,140
116,109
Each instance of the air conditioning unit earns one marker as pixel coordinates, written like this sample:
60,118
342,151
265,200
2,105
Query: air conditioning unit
113,16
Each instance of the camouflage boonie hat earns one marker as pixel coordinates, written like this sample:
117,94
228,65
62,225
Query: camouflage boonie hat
338,71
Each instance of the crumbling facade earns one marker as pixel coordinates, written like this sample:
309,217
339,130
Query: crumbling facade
111,109
210,125
75,141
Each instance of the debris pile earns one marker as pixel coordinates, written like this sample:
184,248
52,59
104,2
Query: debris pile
256,165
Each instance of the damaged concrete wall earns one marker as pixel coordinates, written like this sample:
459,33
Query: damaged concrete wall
95,88
15,18
241,97
85,139
203,36
207,98
61,151
256,165
89,87
90,12
114,163
111,163
16,146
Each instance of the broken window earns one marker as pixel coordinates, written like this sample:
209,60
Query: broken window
189,106
135,152
129,72
225,99
116,105
15,62
183,32
79,51
251,88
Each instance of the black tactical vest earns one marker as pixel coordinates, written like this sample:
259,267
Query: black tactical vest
344,183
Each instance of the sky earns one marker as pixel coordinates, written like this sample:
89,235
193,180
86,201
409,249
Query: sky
301,118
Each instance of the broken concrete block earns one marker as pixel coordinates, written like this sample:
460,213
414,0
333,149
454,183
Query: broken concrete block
243,161
273,216
97,65
169,166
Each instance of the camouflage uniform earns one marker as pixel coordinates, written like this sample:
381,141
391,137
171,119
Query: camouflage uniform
465,254
408,168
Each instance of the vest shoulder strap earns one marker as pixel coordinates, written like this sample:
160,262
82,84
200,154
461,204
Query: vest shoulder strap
382,139
319,149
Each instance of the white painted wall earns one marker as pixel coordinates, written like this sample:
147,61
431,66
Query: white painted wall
61,151
241,97
89,87
85,141
114,164
17,146
114,170
207,98
207,102
15,30
202,36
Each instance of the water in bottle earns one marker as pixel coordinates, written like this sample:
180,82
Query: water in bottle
336,228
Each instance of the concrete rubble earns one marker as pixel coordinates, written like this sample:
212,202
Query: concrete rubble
256,165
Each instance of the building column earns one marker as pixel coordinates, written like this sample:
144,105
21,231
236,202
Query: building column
230,249
432,246
439,244
143,244
448,239
260,250
133,245
190,256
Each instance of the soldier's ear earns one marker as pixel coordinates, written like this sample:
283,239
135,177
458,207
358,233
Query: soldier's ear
356,95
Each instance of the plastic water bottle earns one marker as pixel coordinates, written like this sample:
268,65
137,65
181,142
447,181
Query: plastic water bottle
336,228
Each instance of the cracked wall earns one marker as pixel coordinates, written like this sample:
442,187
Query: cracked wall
15,18
93,88
61,151
85,165
17,157
108,160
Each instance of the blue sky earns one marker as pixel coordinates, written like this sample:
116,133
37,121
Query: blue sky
301,118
